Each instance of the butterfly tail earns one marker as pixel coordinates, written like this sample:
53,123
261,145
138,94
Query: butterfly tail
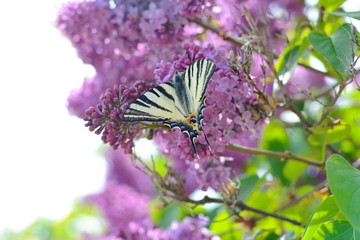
192,136
207,142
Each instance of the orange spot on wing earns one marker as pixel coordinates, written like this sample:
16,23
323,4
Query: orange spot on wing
188,120
192,115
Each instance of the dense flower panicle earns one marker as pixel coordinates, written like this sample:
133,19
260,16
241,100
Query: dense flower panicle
123,40
189,229
192,229
228,119
121,205
138,231
106,118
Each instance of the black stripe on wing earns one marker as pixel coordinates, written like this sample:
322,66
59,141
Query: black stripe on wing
156,105
134,115
197,77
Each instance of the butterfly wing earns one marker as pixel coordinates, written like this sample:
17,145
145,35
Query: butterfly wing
197,77
156,105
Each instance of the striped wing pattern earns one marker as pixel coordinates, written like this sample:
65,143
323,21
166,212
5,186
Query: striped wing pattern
179,103
197,77
160,104
156,105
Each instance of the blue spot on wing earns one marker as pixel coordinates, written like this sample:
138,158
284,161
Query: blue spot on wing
174,124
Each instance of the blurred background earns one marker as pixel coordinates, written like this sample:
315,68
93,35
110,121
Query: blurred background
47,158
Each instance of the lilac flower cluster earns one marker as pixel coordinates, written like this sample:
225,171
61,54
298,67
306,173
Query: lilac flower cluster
189,228
123,40
117,205
106,117
131,40
227,120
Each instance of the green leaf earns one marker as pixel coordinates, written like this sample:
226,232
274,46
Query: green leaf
329,132
165,216
287,62
337,48
330,5
247,184
290,235
336,230
326,211
224,225
275,138
355,15
344,182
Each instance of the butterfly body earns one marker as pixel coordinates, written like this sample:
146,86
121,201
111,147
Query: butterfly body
178,103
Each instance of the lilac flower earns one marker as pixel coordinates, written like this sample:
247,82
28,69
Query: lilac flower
210,172
106,118
117,205
191,229
121,171
230,103
136,231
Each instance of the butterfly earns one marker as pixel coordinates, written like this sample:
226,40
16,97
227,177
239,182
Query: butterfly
178,103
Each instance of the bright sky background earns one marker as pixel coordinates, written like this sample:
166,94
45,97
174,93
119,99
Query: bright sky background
47,158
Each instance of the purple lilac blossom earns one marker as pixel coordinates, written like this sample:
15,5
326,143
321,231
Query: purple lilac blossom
117,203
122,171
123,40
226,121
191,229
188,228
106,117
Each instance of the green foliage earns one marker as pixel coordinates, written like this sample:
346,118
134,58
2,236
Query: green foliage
329,133
275,138
344,182
355,15
330,5
326,211
336,230
337,48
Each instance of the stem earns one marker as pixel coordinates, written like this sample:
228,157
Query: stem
214,29
298,199
239,42
242,206
283,156
329,107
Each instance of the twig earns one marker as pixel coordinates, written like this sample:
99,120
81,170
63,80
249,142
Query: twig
239,42
240,205
298,199
330,106
214,29
283,156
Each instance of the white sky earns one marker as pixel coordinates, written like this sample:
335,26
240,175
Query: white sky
47,158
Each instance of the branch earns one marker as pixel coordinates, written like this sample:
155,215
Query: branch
240,205
283,156
239,42
214,29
